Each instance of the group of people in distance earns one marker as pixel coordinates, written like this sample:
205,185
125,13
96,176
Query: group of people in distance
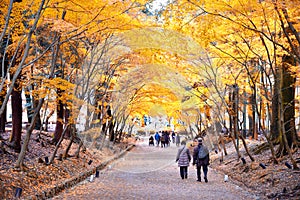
200,159
164,138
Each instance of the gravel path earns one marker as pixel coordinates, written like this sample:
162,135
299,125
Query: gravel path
151,173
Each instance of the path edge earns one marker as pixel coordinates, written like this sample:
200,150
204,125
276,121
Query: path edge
68,183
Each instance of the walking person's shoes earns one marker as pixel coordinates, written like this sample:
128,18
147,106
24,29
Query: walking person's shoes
205,178
199,180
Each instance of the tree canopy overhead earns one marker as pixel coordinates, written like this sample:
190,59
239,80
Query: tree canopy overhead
113,60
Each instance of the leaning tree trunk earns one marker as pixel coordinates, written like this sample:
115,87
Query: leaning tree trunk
16,102
72,131
235,106
78,149
57,145
246,148
47,120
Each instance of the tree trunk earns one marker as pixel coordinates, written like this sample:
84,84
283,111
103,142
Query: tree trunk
235,117
38,122
78,149
253,104
20,160
288,104
111,131
67,119
230,98
130,128
47,119
117,131
57,145
250,116
59,120
28,105
72,131
16,102
246,148
275,125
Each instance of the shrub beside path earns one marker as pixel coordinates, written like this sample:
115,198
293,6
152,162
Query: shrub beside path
151,173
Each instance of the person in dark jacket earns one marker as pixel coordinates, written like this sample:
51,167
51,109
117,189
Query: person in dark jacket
162,139
183,158
201,159
173,137
157,138
151,141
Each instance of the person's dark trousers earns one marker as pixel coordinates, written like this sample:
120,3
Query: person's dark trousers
183,172
205,170
198,173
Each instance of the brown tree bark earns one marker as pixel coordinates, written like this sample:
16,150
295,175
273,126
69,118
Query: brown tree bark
235,100
16,102
38,123
254,122
250,116
275,125
57,145
67,113
288,105
19,162
72,130
47,120
59,121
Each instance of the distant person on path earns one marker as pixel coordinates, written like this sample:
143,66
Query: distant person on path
167,139
173,137
151,141
162,139
157,138
201,159
177,139
183,158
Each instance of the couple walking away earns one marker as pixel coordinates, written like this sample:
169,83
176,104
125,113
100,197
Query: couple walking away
200,159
